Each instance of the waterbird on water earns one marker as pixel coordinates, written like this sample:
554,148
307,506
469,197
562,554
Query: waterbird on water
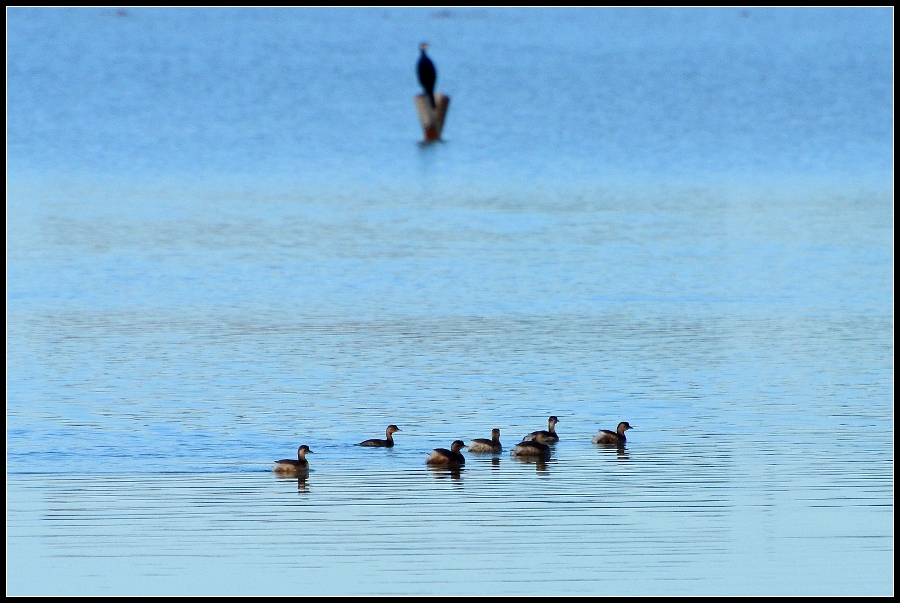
482,445
548,436
427,73
388,443
448,458
616,438
532,449
293,467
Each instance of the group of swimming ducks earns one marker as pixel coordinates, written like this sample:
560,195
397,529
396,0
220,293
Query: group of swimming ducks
534,446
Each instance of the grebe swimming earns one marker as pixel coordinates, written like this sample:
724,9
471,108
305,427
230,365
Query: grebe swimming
482,445
388,443
549,435
532,449
296,466
448,458
613,438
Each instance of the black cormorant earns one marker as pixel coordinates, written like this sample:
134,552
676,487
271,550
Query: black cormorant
427,74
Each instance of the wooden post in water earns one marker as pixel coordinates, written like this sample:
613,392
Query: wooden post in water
432,119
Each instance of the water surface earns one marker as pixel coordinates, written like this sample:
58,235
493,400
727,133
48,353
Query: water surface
224,240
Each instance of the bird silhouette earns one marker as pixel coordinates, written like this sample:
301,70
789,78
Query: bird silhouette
427,73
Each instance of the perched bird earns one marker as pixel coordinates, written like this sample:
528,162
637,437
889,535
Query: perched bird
549,435
293,467
448,458
427,73
482,445
616,438
531,450
388,443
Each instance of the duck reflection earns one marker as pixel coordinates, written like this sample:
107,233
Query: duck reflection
540,464
620,450
453,473
300,476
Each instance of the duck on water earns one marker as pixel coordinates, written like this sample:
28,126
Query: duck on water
485,446
441,457
612,438
294,467
535,450
386,443
548,435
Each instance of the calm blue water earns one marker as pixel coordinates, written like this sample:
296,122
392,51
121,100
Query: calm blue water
224,240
